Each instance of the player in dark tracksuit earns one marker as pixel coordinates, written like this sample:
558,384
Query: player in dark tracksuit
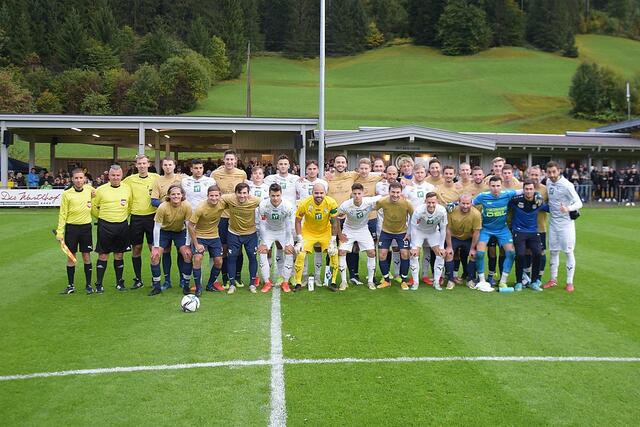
524,226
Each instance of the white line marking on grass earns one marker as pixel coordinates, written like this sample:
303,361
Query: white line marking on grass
462,359
229,363
278,415
280,383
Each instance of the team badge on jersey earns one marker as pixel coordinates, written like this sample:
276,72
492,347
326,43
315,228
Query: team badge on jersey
89,205
123,202
318,216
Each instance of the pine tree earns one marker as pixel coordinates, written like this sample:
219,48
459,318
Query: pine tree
463,29
506,21
230,20
198,37
102,23
275,22
72,42
302,41
218,58
390,17
347,27
423,20
548,22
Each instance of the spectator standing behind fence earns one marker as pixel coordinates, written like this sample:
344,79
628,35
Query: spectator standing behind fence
33,179
631,182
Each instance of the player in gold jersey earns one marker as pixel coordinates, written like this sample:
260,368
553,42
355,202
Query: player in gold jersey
479,185
397,212
111,205
315,225
170,227
142,213
448,191
435,173
203,229
227,177
463,232
242,233
158,194
74,227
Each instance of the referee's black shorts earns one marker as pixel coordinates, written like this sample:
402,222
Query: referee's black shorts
78,237
113,237
141,226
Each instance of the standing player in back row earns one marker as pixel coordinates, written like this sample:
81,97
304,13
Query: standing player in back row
564,203
74,227
142,213
111,205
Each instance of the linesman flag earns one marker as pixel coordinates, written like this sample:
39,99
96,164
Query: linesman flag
65,249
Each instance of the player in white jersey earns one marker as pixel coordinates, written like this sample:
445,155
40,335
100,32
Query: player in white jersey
564,203
382,189
355,230
415,192
428,227
195,186
257,187
287,183
275,219
304,186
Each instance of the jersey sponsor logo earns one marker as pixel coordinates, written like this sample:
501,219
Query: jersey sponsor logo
521,205
275,216
430,221
196,188
258,193
495,212
420,193
318,216
359,214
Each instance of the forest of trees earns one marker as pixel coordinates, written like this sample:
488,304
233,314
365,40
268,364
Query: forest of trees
161,56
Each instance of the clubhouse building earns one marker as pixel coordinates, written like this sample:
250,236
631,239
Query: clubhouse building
263,139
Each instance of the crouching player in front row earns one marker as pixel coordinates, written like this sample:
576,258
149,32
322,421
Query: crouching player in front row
203,230
170,226
428,226
463,234
276,219
315,221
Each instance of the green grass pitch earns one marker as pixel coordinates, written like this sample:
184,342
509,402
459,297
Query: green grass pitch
46,332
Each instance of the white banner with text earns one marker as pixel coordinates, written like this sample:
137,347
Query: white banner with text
30,198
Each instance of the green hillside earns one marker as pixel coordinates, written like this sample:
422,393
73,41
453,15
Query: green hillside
502,89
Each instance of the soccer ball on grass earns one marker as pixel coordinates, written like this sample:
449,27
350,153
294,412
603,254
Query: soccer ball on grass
190,303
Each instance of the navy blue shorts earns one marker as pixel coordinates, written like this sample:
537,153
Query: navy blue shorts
223,230
213,246
236,242
543,241
373,227
464,246
384,242
524,241
179,238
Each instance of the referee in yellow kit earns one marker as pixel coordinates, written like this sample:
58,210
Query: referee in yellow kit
111,206
142,214
74,227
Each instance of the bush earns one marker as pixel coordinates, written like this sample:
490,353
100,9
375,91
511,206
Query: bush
15,98
95,104
463,29
48,103
144,94
72,86
597,93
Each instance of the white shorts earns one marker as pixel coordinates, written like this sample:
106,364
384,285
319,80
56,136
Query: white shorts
419,239
562,238
270,237
362,237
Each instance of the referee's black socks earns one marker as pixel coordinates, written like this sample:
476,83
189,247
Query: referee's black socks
87,274
118,266
101,267
137,266
71,272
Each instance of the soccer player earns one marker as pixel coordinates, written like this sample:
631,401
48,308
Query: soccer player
315,221
397,212
203,229
563,200
466,180
479,185
378,165
428,226
435,173
510,182
494,223
382,189
276,220
304,189
227,177
195,186
368,182
406,168
158,194
356,231
142,214
74,227
533,174
257,187
242,233
111,205
463,234
415,192
448,191
170,223
524,224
